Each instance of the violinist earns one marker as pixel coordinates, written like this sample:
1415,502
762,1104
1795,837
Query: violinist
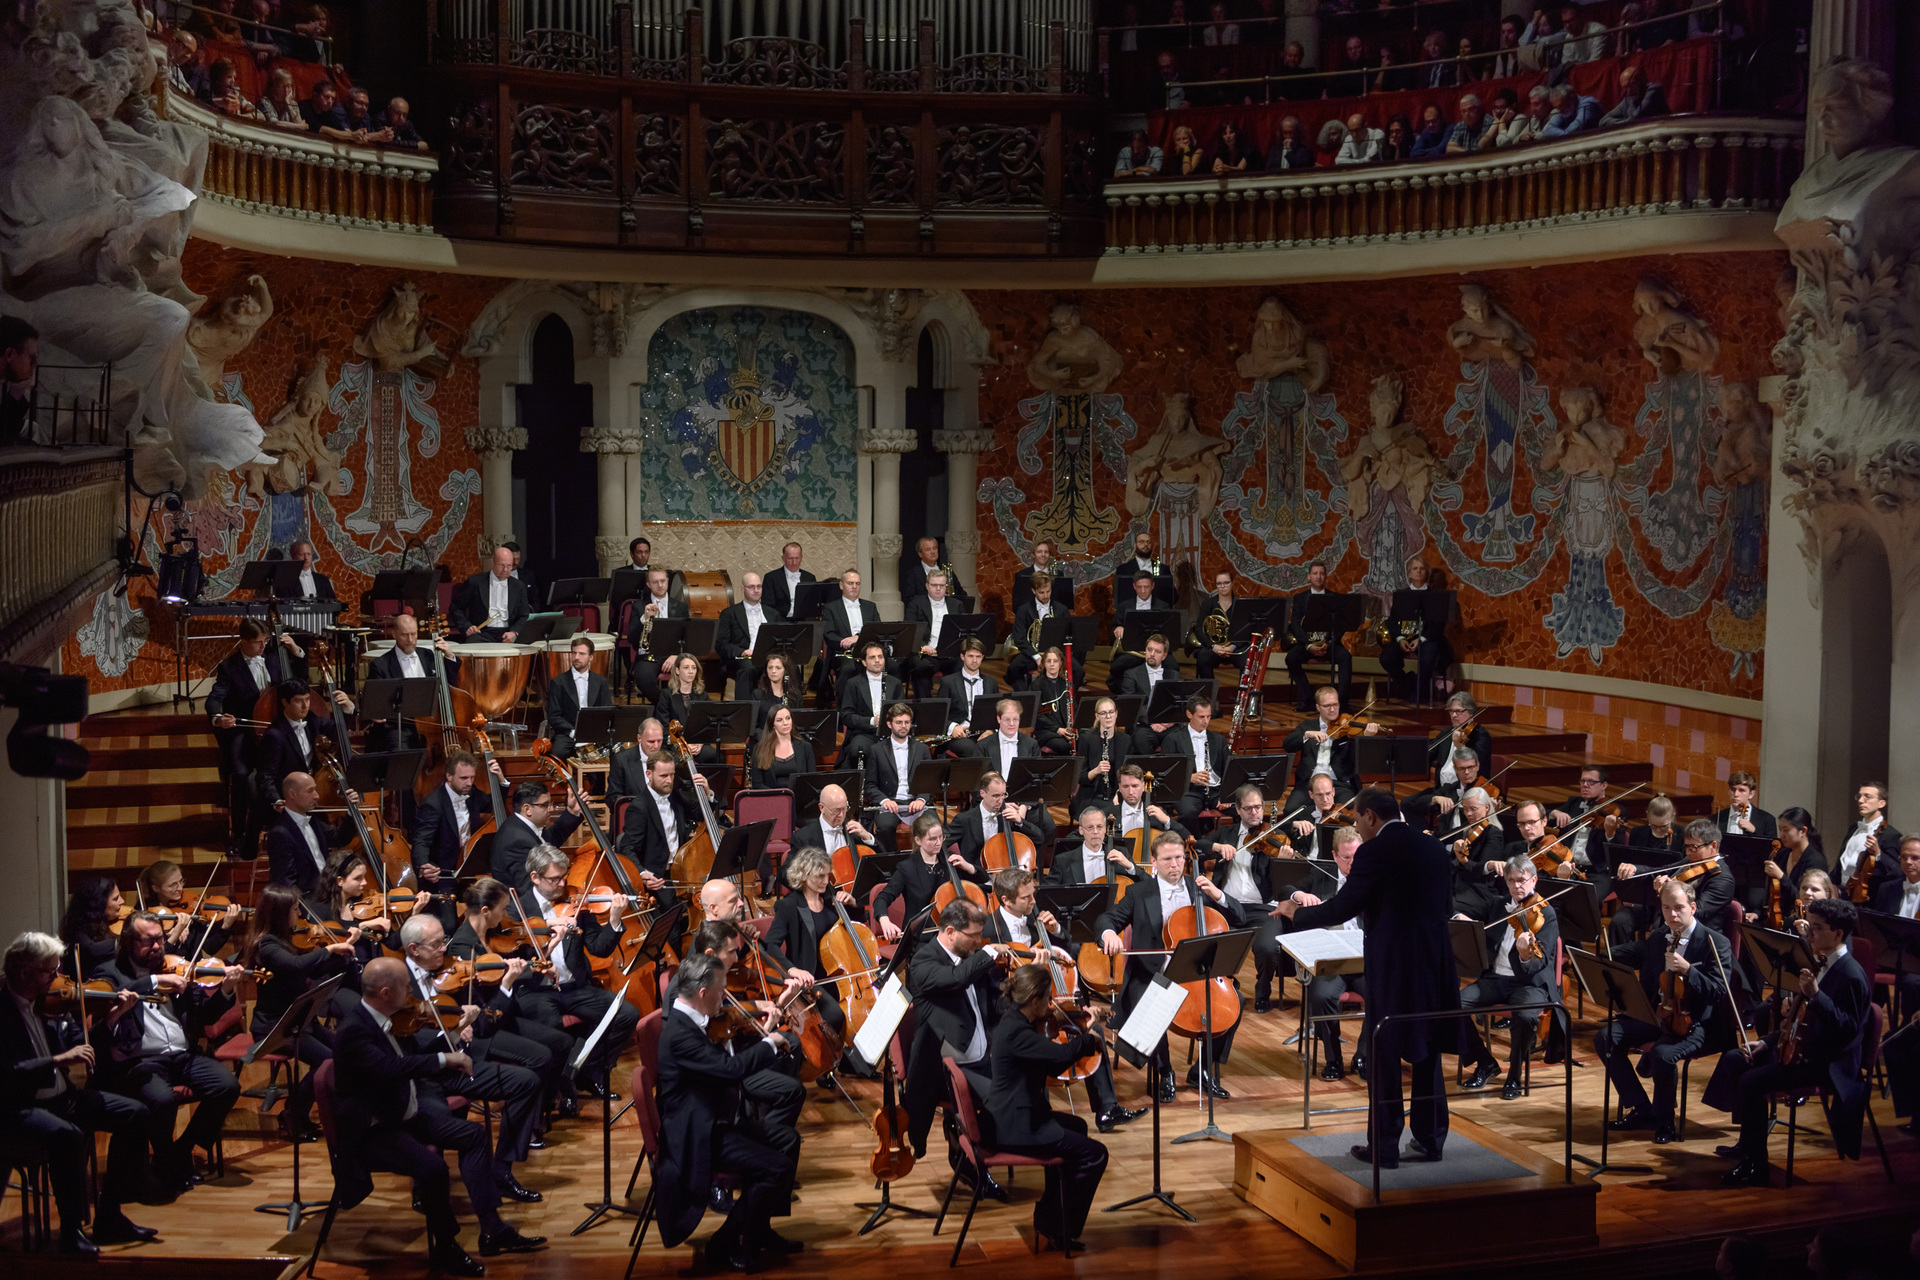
1873,841
1309,638
1438,807
1132,808
571,989
1431,653
290,744
953,979
1479,864
1712,882
296,959
1682,949
1242,873
345,899
1461,731
960,689
1657,843
43,1110
804,917
1205,750
1742,817
300,840
1593,795
996,815
1027,659
778,756
1323,991
773,1095
1832,1009
532,822
1023,1059
493,1076
155,1048
865,702
916,878
1145,909
1138,681
93,920
1053,722
577,687
1094,861
516,1037
1814,886
1140,597
931,608
1209,654
1801,853
834,830
1319,750
1522,943
238,682
1102,757
627,771
447,819
1323,804
889,773
163,888
406,661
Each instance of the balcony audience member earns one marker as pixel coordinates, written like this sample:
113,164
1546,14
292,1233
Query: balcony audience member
184,72
1333,136
1582,41
1506,58
1138,159
1219,31
365,126
263,38
398,123
1506,126
1233,153
1398,146
278,106
1430,140
1359,77
1289,149
1362,145
1573,112
316,32
1293,65
215,20
1529,124
1540,42
1640,99
1466,66
1469,133
19,362
1175,91
1437,71
324,114
1390,77
1184,160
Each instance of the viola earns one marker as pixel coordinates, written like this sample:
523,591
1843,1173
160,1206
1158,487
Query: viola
1674,1018
208,973
443,1015
893,1153
1860,884
1775,920
1463,839
1351,724
1793,1027
1697,870
61,1000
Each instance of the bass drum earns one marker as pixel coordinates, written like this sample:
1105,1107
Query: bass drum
708,594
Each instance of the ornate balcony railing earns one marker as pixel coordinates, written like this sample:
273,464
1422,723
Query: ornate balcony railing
1676,164
772,145
60,512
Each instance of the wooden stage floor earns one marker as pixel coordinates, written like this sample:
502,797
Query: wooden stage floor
1668,1222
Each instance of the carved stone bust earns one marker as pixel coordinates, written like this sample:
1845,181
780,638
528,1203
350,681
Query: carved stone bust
1280,346
1485,331
1863,196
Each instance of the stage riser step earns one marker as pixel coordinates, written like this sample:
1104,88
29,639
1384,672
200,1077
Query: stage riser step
200,829
130,794
156,756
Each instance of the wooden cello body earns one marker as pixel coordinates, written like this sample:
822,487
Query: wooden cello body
1199,921
848,956
1100,972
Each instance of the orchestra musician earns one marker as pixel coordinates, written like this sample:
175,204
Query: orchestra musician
801,919
292,971
1164,593
1479,865
1005,743
1205,750
1593,795
522,572
516,1037
492,605
630,579
154,1048
960,688
655,604
393,1116
447,819
915,879
570,989
1438,807
953,978
291,743
1685,945
1901,898
1713,890
1023,1060
1145,910
1831,1014
567,693
300,840
659,821
778,756
889,774
1399,888
739,632
779,685
1323,990
42,1110
1873,838
1238,861
1210,654
1461,730
162,887
627,770
1323,812
1142,599
697,1096
862,697
407,661
1025,659
996,815
1520,972
531,822
773,1095
833,829
344,883
1431,653
1053,721
314,585
1092,861
1742,817
517,1086
1318,751
1100,757
1140,681
1132,808
238,682
782,586
845,618
1045,561
1801,852
1664,844
915,579
683,684
930,608
1303,646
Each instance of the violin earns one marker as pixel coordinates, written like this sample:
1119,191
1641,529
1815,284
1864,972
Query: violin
443,1015
1774,917
1860,884
1697,870
60,998
1674,1018
208,973
1793,1027
486,969
1351,724
1463,839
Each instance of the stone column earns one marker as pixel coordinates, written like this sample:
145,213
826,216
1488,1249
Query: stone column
496,445
1303,24
963,448
619,451
884,445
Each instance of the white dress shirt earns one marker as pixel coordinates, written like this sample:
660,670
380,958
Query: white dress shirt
1447,776
1909,900
496,602
793,588
307,586
257,668
1855,848
1093,861
756,617
1502,963
1240,885
989,824
556,948
664,804
300,736
834,838
876,696
1009,748
1016,927
855,617
304,821
1323,756
1172,897
902,780
1201,760
1133,816
411,667
460,818
974,685
580,687
976,1047
1733,820
661,605
938,611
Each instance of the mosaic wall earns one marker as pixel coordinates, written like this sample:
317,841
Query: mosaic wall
1577,447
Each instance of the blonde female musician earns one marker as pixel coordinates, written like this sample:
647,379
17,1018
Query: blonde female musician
1102,752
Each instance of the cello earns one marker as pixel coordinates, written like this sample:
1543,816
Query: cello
1008,848
1067,1021
693,863
1099,972
848,957
1199,920
955,888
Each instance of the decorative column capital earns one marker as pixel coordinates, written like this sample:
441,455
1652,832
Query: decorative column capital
889,440
963,542
496,443
967,440
610,439
886,548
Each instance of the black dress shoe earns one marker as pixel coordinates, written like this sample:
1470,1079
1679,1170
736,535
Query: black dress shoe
1167,1089
1511,1089
1748,1173
1360,1065
719,1199
736,1257
113,1227
1730,1152
76,1243
1482,1073
1111,1120
455,1261
1262,1004
1363,1152
567,1108
1213,1085
1638,1118
507,1240
771,1241
1333,1070
510,1189
1419,1152
1663,1133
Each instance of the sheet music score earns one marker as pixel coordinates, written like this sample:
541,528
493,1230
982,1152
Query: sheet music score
877,1031
1339,950
1147,1024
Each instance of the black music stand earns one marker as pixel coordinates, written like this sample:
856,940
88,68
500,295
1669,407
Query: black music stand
982,716
949,776
1899,935
875,870
1157,1195
740,847
403,700
1126,707
1334,613
1075,904
808,786
1470,955
1260,613
1199,960
1744,854
1618,987
278,579
404,587
1269,773
1392,756
1303,875
606,1206
1055,629
1137,624
810,598
930,717
984,627
1578,908
1780,955
285,1039
885,1205
798,638
901,639
818,725
723,723
565,591
681,636
1044,782
602,725
539,628
1637,890
1169,774
1168,705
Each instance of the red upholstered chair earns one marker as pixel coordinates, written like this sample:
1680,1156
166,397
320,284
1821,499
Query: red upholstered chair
645,1108
323,1097
982,1157
763,805
896,912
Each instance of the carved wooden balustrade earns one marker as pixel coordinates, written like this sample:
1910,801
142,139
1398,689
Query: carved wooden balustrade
60,515
1672,165
770,149
263,170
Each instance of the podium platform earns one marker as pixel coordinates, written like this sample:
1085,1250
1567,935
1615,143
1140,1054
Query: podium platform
1306,1180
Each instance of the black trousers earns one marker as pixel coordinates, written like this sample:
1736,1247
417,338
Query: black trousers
407,1150
1429,1099
921,672
1754,1080
1431,657
1196,799
1661,1062
1323,998
63,1127
1083,1162
151,1080
1297,659
522,1042
766,1183
1206,662
1903,1073
561,746
518,1091
241,789
315,1046
589,1004
1494,988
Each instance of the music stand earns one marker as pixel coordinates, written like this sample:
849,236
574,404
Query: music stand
372,771
902,639
404,699
1899,935
284,1040
1334,612
1470,955
875,870
1137,624
1126,707
1618,987
1257,614
809,598
721,723
1168,705
1744,854
565,591
406,587
1780,955
1074,904
984,627
1169,774
808,786
1299,874
1579,910
1056,627
279,579
1634,891
982,716
741,847
1161,1015
1432,608
1045,782
595,724
683,636
539,628
1269,773
817,725
949,776
1199,960
930,717
1392,756
785,637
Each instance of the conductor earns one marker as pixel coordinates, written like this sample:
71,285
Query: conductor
1399,889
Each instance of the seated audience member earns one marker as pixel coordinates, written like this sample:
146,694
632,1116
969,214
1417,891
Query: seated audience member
1389,77
1505,125
324,114
223,90
1506,59
1466,65
398,122
1398,144
1219,31
1640,99
1138,159
1360,80
1184,159
1233,153
1530,123
260,35
1293,65
1469,134
217,21
1333,135
1430,140
1289,149
184,72
1580,41
1572,112
278,106
361,120
1362,145
316,30
1436,71
1540,42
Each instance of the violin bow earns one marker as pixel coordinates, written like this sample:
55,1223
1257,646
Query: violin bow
1447,738
80,996
1745,1042
205,889
1659,871
1544,899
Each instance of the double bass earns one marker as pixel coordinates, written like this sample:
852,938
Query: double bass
693,863
444,733
486,828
